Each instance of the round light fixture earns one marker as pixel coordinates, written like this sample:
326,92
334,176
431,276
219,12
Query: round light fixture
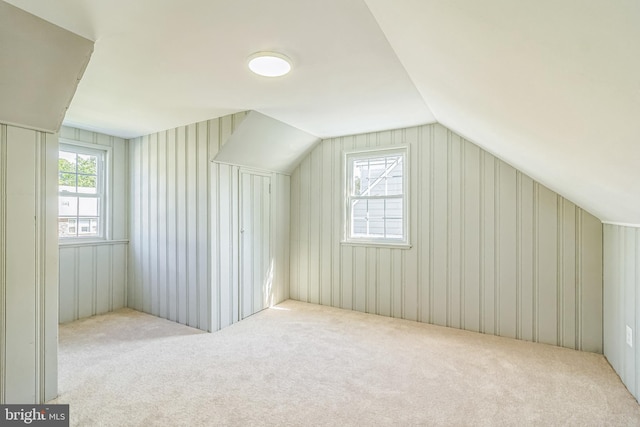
269,64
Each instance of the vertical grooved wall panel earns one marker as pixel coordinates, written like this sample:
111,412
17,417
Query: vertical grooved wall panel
93,277
492,250
169,231
183,260
28,265
93,280
621,289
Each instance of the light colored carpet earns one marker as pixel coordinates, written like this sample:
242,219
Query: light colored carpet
302,365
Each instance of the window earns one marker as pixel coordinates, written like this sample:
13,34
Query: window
81,185
376,202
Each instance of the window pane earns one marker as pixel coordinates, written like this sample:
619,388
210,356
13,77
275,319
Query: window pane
368,218
376,227
88,226
359,227
377,176
359,209
78,173
359,218
67,206
377,185
365,173
376,218
395,179
67,182
67,162
393,208
87,206
87,184
376,209
357,183
394,228
66,227
87,164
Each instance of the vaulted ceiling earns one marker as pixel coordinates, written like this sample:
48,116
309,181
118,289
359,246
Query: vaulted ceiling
552,87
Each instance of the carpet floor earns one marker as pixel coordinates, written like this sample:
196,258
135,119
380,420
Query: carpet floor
300,364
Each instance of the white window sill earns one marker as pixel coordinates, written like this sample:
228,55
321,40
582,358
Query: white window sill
376,244
74,243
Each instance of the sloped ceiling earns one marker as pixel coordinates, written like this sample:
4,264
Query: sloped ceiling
40,67
552,87
159,64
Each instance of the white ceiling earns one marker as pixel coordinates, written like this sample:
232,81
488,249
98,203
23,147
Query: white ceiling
160,64
552,87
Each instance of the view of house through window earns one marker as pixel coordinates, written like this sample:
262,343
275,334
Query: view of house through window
376,202
80,183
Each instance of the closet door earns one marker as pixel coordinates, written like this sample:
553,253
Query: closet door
255,241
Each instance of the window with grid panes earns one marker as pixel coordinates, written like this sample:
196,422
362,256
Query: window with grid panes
80,192
376,202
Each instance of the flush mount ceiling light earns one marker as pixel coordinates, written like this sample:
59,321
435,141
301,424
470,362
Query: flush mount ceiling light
269,64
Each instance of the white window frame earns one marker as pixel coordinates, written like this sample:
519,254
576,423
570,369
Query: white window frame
103,152
349,157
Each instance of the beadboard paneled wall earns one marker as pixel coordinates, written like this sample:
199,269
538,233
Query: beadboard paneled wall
492,250
93,276
177,224
621,307
28,265
93,279
169,224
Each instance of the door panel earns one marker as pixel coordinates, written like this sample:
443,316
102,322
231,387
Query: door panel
255,237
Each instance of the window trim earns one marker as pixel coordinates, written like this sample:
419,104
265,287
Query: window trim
104,169
347,160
